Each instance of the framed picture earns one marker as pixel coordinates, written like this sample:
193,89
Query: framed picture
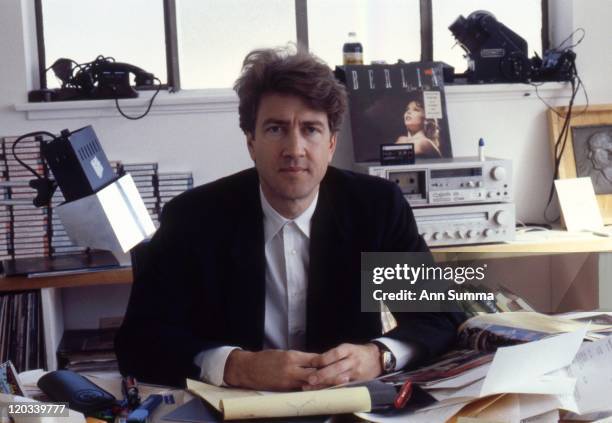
588,150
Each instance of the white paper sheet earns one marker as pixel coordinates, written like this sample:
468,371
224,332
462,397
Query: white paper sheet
522,368
464,379
592,367
579,204
440,414
538,405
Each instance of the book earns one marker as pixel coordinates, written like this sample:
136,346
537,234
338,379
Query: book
21,330
87,350
9,380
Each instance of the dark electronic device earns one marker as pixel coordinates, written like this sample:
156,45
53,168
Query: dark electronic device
396,154
102,78
78,163
80,393
495,53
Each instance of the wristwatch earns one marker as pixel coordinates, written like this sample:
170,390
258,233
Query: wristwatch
387,359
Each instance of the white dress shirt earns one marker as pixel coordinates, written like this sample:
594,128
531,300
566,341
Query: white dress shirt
287,245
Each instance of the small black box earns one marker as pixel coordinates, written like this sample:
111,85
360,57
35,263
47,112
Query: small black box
396,154
78,163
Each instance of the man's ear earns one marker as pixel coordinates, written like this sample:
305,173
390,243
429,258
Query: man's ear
250,140
333,141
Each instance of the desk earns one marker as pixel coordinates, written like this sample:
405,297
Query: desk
113,386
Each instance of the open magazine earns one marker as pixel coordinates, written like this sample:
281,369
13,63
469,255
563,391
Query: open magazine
480,336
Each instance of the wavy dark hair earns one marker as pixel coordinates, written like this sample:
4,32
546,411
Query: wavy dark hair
283,71
431,128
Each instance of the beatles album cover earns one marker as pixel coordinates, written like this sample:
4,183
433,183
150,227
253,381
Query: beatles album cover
396,104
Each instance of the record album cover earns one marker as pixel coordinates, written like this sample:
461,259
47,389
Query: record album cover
396,104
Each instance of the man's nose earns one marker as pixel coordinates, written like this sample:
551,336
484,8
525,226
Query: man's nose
295,143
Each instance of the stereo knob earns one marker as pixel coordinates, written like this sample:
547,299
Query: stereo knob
437,236
460,234
487,232
498,173
471,184
471,233
448,234
501,218
426,236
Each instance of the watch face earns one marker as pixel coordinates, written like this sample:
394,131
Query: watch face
388,361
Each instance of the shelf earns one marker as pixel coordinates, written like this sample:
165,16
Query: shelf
542,242
548,242
104,277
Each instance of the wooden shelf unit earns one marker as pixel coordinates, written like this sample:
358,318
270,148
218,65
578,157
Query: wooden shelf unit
553,242
102,277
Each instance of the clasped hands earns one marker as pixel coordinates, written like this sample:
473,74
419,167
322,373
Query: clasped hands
280,370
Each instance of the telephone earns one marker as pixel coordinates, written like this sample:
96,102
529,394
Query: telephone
103,78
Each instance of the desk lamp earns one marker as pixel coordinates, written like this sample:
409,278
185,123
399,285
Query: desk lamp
102,210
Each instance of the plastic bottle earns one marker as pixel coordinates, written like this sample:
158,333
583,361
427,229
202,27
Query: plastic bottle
352,51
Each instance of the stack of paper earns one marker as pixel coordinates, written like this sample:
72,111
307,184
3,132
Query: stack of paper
531,381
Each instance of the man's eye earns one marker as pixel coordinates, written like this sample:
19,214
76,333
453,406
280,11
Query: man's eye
273,129
311,129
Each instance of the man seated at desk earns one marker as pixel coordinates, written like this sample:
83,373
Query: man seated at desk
254,280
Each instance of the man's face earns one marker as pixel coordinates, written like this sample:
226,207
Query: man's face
291,147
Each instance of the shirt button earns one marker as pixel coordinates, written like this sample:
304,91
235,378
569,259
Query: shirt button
293,252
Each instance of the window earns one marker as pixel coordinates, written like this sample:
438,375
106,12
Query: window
130,31
521,16
201,43
388,29
215,35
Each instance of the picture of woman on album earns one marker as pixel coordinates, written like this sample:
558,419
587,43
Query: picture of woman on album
422,132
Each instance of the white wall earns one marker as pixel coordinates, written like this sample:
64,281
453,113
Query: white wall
211,145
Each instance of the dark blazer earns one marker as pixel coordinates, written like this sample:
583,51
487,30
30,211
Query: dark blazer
201,281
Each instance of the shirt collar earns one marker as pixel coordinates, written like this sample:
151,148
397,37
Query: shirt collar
274,222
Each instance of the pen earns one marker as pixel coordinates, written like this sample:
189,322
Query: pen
129,387
404,395
481,145
145,409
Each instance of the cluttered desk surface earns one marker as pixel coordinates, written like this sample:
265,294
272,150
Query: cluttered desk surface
560,363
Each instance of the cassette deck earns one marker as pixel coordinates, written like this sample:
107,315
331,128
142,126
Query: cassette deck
456,201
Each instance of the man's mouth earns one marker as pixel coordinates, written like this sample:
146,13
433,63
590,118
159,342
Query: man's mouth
293,169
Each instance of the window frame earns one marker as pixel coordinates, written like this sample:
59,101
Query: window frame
173,83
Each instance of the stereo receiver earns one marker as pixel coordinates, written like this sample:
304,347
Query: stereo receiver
468,224
443,182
